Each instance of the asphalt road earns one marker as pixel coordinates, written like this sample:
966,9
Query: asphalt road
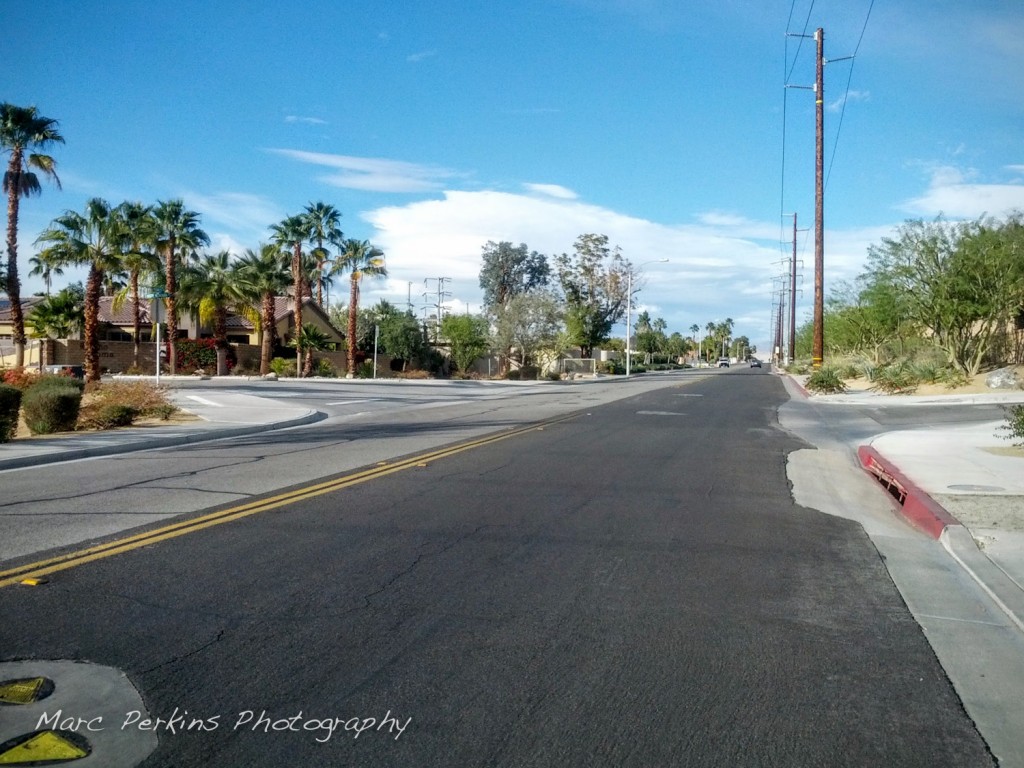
631,586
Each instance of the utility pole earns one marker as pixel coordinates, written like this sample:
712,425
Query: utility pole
818,351
792,298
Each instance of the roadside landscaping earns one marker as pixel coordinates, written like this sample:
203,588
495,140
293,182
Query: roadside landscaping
44,404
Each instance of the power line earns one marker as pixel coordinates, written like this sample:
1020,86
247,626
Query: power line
846,95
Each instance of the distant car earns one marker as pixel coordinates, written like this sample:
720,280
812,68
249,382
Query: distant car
755,363
723,362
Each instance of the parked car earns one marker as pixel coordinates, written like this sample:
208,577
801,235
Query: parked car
755,363
723,362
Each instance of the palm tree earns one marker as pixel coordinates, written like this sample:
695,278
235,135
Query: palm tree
210,289
176,227
292,233
359,259
262,276
323,225
40,268
138,261
23,129
312,340
93,239
57,317
695,329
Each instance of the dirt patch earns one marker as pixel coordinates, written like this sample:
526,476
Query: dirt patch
976,386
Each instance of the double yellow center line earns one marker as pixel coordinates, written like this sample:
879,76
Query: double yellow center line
37,571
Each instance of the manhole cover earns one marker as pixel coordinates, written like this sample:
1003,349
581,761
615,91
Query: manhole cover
969,487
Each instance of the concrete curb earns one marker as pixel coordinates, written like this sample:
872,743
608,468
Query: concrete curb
917,506
153,442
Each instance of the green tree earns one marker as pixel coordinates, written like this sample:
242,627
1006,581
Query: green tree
312,339
176,230
140,260
291,233
323,225
400,336
22,130
962,282
530,323
594,282
467,338
359,259
41,268
261,276
509,271
93,239
58,316
210,288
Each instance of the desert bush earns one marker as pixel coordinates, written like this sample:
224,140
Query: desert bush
108,416
10,404
1014,424
283,366
365,370
57,380
896,379
825,381
325,369
50,409
417,373
107,404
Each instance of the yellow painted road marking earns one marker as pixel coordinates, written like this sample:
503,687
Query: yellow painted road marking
21,691
43,747
127,544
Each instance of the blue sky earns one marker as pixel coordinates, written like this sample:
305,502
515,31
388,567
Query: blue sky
435,127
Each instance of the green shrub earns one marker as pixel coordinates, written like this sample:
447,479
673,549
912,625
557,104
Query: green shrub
283,366
954,377
50,409
201,354
57,380
896,379
825,381
1015,424
110,416
325,368
10,403
365,370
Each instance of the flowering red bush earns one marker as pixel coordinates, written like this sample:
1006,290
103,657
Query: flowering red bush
196,354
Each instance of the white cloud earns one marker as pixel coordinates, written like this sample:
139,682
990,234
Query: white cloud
420,56
711,273
241,213
373,174
307,120
951,193
552,190
847,98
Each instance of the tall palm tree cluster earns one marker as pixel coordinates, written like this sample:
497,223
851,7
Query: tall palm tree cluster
131,246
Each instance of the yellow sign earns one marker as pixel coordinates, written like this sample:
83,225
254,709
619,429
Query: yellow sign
43,747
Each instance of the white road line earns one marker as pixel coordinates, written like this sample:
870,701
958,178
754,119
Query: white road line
204,401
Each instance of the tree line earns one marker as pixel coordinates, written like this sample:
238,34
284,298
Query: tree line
957,287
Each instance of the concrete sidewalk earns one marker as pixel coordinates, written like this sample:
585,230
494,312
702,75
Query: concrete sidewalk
963,485
221,415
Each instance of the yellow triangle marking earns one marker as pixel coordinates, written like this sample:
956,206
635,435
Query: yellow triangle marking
21,691
44,746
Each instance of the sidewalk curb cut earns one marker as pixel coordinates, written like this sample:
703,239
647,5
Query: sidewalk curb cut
914,504
155,442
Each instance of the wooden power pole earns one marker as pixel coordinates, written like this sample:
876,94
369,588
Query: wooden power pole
817,354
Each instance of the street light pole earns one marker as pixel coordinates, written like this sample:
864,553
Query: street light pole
629,305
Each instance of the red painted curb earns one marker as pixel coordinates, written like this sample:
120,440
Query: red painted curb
800,387
914,504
